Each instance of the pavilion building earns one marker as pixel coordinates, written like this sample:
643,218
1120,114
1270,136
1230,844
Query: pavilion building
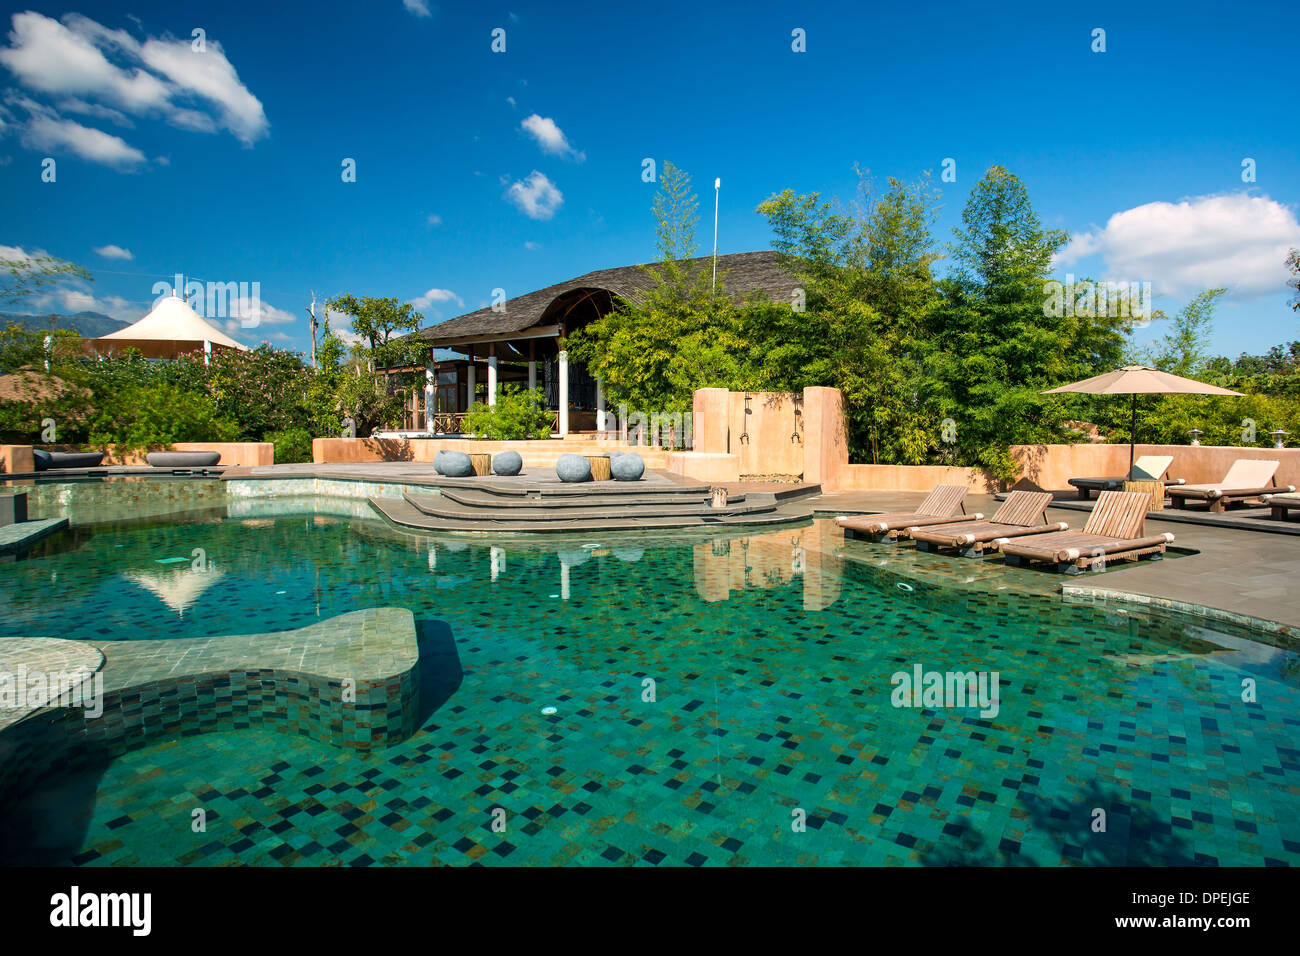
518,342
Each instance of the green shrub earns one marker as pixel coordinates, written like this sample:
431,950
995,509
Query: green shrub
518,414
292,445
144,417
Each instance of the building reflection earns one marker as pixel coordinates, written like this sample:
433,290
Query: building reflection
773,559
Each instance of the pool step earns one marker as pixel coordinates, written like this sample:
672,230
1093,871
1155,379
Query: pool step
441,506
401,512
474,497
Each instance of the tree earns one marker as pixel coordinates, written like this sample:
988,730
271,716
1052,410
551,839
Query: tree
1293,263
363,389
22,278
1184,350
994,345
652,353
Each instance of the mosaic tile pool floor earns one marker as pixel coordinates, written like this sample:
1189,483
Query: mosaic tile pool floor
771,700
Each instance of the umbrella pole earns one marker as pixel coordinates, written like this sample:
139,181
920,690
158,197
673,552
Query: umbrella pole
1132,434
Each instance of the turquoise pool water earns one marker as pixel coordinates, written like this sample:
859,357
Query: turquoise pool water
771,657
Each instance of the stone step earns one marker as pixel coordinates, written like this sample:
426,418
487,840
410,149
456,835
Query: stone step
403,514
439,506
478,497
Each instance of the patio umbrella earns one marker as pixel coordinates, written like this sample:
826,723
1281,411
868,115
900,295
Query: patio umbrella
1138,380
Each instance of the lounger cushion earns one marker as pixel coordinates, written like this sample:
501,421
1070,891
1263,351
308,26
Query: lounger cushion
1245,473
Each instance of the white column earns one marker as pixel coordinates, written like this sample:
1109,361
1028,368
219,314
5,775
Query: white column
564,576
430,379
471,380
492,379
532,375
564,393
600,406
207,352
498,557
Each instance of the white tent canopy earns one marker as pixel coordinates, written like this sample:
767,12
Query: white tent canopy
171,329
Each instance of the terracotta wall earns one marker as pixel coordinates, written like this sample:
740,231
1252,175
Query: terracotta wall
767,433
17,459
911,478
1050,467
821,454
536,454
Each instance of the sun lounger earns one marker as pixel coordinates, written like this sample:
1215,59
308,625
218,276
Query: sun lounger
1024,512
1114,531
939,507
1247,479
1146,468
1280,504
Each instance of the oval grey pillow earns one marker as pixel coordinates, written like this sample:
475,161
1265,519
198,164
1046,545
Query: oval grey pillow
182,459
457,464
572,468
40,459
507,463
628,466
75,459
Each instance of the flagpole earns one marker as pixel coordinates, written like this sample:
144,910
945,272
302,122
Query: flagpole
717,188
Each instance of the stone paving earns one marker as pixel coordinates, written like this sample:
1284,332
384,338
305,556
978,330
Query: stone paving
1247,574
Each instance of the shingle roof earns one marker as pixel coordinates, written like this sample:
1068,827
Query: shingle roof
743,272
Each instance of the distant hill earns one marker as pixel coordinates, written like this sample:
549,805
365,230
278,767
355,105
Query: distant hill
86,324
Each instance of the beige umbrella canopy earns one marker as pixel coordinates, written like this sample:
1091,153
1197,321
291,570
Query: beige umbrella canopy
1138,380
171,329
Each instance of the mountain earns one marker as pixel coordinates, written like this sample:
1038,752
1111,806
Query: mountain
86,324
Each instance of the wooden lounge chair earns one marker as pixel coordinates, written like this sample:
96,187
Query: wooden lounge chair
1280,504
1024,512
1146,468
1115,530
939,507
1247,479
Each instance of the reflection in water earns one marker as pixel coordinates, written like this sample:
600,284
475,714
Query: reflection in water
180,589
773,559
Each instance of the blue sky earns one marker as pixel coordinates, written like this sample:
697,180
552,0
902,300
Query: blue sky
477,170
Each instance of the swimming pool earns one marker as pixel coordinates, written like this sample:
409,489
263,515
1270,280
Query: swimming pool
717,701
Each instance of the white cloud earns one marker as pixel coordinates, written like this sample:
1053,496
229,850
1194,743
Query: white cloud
417,8
97,71
18,253
113,252
532,246
252,313
510,100
1236,241
537,197
550,137
436,295
47,132
211,77
434,219
83,108
49,57
70,299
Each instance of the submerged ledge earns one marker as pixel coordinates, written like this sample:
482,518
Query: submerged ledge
350,681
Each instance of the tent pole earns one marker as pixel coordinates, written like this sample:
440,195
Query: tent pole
1132,434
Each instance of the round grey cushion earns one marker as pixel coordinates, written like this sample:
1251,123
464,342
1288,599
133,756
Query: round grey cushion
437,460
573,468
41,459
507,463
182,459
456,464
74,459
627,467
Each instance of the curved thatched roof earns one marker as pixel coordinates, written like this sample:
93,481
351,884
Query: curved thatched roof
742,272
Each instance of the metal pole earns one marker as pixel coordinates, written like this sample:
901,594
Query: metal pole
1132,434
717,187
